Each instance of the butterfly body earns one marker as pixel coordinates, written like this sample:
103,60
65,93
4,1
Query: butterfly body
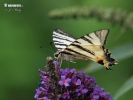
87,47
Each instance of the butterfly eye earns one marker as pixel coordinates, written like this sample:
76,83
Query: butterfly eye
56,55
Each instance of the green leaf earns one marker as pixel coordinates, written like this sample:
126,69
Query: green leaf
119,53
128,85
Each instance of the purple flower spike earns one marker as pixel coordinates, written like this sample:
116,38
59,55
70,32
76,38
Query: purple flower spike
68,84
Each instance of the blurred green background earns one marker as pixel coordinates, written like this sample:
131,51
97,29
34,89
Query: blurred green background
22,33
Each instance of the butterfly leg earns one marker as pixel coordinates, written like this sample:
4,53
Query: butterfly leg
108,68
60,62
72,61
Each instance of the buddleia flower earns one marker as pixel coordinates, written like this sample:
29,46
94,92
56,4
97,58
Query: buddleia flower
67,84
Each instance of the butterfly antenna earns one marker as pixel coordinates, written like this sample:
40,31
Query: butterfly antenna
52,46
45,48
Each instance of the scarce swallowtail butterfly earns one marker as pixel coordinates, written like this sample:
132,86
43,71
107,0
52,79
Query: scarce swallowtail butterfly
87,47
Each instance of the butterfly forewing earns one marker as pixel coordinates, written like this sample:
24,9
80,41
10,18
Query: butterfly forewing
94,38
90,45
62,39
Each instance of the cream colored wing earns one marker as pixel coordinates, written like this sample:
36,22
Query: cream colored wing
89,46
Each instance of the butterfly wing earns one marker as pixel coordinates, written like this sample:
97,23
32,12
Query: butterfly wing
88,47
91,47
93,43
95,38
62,39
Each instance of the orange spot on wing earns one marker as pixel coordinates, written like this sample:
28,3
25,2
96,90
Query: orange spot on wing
99,59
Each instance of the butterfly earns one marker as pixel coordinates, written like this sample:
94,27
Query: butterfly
87,47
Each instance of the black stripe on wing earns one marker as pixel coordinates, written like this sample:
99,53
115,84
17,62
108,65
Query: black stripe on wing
70,51
84,38
94,38
62,39
64,33
89,36
82,48
102,35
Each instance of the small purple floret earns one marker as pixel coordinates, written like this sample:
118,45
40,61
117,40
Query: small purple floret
78,82
64,81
